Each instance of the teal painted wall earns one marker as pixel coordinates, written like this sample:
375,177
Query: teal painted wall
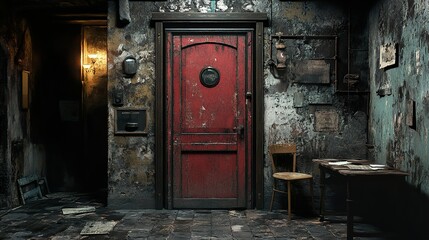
396,143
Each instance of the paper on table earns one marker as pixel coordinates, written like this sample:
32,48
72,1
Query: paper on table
339,163
377,166
359,167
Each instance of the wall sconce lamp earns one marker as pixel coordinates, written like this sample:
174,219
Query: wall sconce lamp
278,67
90,67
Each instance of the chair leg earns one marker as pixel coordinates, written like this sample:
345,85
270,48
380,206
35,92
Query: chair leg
312,196
289,204
272,200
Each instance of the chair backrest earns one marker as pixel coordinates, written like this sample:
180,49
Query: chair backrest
284,148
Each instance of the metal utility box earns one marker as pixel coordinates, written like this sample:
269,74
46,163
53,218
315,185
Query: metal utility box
130,121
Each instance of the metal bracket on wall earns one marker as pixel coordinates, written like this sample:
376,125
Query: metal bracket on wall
278,67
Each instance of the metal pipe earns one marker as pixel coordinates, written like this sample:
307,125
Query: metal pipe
302,36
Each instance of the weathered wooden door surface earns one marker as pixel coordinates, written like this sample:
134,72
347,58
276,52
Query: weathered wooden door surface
208,119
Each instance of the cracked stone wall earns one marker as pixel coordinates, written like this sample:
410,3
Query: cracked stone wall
290,106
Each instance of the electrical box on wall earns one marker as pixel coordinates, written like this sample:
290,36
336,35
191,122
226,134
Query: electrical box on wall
118,97
129,66
129,121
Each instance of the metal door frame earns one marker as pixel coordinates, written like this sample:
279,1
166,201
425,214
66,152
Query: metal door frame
231,21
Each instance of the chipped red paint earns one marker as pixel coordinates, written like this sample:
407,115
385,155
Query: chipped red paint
208,126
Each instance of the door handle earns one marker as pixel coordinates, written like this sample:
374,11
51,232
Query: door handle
240,131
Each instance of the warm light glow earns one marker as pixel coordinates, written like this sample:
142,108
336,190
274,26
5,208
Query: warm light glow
281,55
90,67
92,56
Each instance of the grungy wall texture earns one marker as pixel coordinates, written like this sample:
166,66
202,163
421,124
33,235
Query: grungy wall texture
288,119
291,106
131,166
399,123
19,156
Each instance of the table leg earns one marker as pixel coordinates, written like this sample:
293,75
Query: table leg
322,194
349,202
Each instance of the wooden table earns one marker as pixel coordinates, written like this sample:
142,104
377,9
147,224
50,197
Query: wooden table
336,167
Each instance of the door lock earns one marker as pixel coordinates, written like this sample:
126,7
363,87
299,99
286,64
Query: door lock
248,95
240,131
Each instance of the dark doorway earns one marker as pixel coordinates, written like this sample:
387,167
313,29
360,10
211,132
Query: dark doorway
71,106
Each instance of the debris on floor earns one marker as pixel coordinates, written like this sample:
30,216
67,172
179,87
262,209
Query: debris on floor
98,228
43,219
78,210
29,189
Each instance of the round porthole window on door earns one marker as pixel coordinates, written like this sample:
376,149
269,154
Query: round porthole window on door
209,77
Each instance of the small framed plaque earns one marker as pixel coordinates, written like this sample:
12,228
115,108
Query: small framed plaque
326,121
130,121
387,55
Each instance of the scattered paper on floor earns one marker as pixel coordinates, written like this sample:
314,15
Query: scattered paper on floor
98,227
78,210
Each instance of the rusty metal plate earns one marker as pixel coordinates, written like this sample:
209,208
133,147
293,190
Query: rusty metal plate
310,72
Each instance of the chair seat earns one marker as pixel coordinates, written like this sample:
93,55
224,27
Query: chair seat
292,176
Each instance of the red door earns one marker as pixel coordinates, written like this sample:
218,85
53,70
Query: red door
209,119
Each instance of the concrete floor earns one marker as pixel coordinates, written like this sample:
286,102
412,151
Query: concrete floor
47,219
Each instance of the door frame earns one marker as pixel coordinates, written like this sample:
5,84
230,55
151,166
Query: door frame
230,21
6,196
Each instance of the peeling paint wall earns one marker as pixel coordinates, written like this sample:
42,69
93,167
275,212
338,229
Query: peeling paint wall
287,121
131,166
398,141
19,156
290,107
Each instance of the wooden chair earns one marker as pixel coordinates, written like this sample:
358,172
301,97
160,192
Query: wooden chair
289,176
